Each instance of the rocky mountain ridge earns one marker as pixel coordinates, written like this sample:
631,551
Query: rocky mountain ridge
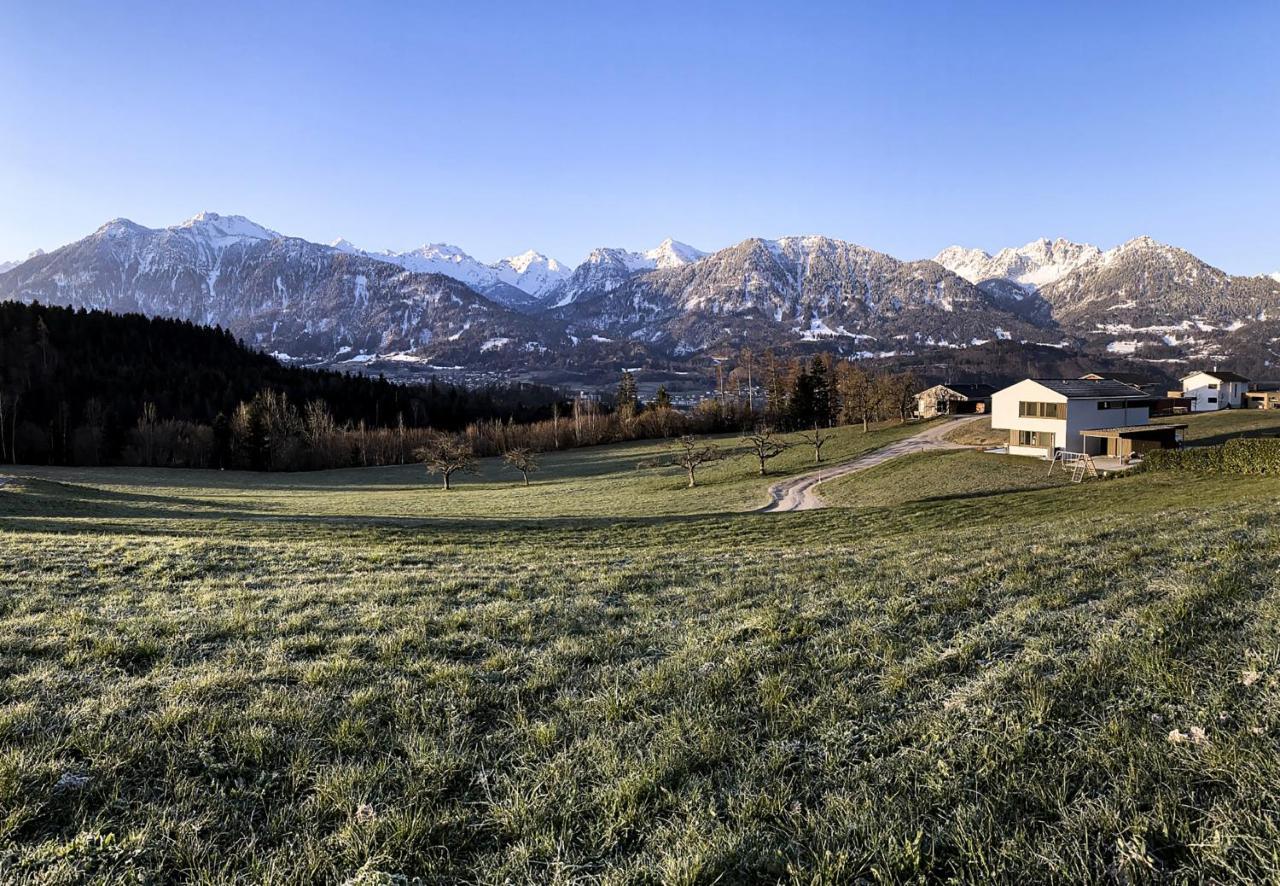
1142,299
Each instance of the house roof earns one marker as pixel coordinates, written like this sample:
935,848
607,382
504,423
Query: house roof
1220,375
1128,429
1090,388
1129,378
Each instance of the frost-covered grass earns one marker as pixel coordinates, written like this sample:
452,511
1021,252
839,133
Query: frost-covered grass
599,481
240,683
960,473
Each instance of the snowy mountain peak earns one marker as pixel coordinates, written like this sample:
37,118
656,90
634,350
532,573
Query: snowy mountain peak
121,227
443,252
526,260
531,272
672,254
224,229
1031,266
1276,276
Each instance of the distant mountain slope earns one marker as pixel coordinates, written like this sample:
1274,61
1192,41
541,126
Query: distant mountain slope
1143,282
517,281
280,293
793,289
1142,298
606,268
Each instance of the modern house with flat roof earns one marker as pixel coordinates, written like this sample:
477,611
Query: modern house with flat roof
954,399
1095,416
1210,391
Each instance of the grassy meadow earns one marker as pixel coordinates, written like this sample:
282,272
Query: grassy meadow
965,672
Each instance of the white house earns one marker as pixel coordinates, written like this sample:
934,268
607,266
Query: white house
1043,415
1210,391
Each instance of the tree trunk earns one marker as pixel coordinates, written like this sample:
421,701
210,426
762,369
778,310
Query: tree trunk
446,480
526,477
691,483
762,467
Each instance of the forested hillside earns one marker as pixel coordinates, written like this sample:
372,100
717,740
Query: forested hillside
77,387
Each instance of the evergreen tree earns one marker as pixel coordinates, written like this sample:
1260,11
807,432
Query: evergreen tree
803,400
628,396
820,385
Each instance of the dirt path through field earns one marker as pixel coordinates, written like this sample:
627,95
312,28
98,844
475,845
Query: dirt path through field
801,493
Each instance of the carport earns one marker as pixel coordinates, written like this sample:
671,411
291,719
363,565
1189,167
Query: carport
1124,443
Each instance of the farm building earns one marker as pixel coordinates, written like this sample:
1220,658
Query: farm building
1211,391
1047,415
954,399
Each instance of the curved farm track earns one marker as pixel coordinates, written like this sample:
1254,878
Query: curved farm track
801,493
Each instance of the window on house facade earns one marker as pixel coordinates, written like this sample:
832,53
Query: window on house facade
1034,438
1029,409
1213,387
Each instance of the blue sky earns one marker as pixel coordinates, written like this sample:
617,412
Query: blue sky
499,127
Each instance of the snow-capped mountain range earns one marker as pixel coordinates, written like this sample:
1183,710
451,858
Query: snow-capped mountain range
518,280
336,302
1037,264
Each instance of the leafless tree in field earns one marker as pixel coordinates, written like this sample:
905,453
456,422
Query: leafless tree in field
693,453
523,460
446,454
816,438
764,446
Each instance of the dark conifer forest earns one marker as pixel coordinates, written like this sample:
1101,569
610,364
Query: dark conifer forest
90,387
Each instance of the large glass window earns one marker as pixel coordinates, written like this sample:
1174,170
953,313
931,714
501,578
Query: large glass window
1029,409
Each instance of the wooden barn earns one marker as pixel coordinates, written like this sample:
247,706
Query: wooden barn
954,399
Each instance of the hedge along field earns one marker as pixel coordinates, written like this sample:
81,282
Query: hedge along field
1069,684
1243,456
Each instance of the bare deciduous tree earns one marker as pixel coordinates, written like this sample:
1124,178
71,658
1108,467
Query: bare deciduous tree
693,453
816,438
446,454
764,446
523,460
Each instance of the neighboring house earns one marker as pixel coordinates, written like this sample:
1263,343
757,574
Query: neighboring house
1264,395
954,400
1210,391
1044,415
1162,403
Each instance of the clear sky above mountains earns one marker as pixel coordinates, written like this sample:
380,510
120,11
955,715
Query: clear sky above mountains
500,127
